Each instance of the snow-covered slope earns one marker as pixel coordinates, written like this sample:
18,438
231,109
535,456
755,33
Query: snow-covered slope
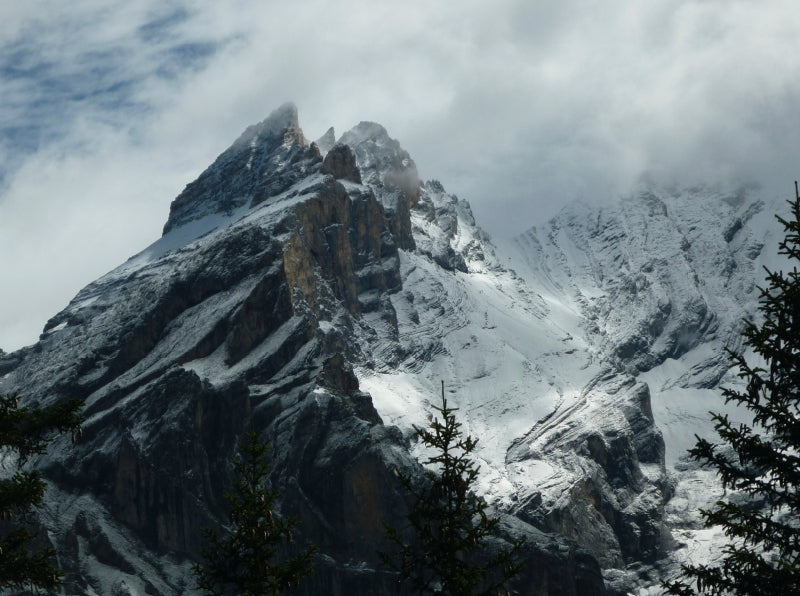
323,293
663,281
566,438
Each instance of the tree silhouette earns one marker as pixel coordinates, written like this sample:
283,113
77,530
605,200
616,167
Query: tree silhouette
448,525
761,460
24,433
246,559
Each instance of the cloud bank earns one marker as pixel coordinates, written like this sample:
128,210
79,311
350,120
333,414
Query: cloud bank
109,108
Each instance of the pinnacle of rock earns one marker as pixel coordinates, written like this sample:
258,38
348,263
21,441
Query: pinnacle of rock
326,141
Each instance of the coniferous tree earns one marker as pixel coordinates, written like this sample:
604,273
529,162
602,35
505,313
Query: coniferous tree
449,527
762,459
247,560
25,432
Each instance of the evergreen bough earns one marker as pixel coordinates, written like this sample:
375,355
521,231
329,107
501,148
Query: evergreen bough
247,559
762,459
24,433
449,527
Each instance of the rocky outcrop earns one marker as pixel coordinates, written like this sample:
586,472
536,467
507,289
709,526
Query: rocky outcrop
389,170
608,505
340,163
682,286
647,440
442,210
9,362
264,161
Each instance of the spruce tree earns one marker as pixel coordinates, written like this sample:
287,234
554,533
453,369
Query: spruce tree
760,460
24,433
449,528
248,559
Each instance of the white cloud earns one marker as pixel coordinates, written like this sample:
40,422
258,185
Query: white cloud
111,107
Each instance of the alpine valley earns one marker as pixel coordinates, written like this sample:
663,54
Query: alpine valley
321,292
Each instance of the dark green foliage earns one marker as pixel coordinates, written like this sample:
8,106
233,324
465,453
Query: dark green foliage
25,432
449,528
245,561
762,460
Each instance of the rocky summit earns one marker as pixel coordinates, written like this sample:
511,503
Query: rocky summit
320,292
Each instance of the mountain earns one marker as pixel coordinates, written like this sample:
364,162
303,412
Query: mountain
663,281
321,293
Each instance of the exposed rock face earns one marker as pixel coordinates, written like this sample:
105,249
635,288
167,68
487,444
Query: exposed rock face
341,164
390,171
655,254
611,508
441,210
9,361
265,160
276,274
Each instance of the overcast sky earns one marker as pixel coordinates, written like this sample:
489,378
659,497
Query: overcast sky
109,107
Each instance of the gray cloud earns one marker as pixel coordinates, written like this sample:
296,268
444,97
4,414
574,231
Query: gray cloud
109,108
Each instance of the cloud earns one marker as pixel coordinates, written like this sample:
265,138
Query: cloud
110,107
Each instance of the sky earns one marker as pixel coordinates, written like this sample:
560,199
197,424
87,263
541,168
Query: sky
108,108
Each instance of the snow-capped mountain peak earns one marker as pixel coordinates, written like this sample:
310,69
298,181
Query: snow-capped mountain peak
264,161
322,293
